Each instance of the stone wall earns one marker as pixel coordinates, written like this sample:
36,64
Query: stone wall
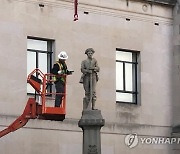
105,26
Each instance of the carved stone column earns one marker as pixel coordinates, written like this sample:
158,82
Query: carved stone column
91,123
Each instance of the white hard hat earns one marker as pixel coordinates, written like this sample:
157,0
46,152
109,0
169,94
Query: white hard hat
63,55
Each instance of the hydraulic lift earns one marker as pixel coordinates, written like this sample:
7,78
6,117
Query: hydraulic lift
36,110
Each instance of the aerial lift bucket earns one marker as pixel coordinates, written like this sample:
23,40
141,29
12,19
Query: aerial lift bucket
33,110
40,83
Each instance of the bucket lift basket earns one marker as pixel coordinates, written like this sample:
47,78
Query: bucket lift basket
40,83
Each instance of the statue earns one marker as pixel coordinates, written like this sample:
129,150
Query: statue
89,78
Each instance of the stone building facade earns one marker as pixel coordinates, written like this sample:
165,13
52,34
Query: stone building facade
149,28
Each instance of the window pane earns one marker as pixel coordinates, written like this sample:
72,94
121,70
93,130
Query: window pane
125,56
128,77
31,65
124,97
42,62
119,75
37,45
31,62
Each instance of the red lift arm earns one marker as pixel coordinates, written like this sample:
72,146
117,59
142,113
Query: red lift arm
30,112
34,110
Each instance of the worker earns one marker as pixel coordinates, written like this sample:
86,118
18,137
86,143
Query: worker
89,68
59,69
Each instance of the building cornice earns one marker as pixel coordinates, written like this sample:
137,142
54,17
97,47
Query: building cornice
163,2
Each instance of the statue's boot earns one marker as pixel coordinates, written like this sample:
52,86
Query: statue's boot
93,104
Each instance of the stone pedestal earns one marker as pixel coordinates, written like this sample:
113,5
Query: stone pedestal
91,123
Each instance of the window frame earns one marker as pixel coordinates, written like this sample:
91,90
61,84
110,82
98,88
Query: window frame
49,52
135,79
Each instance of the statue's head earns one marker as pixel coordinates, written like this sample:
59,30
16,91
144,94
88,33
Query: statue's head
89,50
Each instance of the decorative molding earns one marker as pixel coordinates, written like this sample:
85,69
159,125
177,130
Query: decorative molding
92,149
143,13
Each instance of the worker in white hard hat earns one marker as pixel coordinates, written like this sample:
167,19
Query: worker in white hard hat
59,69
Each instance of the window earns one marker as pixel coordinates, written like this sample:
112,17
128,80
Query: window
39,55
127,76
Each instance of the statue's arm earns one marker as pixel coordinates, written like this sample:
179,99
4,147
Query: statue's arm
84,70
96,67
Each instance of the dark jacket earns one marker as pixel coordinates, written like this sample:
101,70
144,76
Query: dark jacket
59,66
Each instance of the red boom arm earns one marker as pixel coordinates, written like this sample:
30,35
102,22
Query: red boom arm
31,111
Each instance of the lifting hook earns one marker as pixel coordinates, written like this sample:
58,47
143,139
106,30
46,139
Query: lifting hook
75,10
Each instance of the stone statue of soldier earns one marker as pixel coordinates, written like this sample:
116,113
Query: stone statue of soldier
89,78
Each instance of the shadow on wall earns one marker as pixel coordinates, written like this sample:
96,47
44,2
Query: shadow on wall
176,72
